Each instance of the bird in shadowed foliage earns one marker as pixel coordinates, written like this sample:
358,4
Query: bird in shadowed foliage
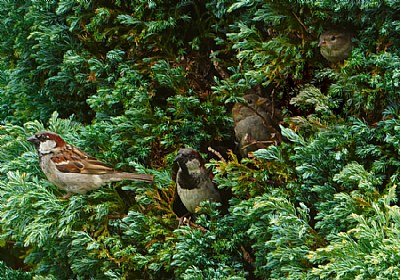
335,46
193,183
256,123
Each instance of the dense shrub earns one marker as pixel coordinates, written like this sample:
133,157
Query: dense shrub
132,82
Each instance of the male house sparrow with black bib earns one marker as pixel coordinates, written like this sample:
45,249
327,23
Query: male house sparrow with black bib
256,123
72,170
193,182
335,46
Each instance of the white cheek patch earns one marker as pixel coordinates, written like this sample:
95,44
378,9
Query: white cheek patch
193,166
47,146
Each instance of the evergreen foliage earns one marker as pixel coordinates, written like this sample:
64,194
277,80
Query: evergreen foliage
131,82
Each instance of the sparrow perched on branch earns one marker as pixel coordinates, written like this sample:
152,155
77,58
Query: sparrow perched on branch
193,182
256,123
335,46
72,170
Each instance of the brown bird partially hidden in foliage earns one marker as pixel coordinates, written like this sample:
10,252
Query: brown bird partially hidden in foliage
335,46
193,183
74,171
256,123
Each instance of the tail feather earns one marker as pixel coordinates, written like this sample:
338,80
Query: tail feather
133,177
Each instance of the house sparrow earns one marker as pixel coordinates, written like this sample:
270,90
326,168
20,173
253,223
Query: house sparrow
193,182
256,123
335,46
72,170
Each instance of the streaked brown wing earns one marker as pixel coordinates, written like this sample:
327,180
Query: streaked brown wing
93,166
76,161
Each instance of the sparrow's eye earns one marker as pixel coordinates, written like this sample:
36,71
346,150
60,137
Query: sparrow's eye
43,137
333,38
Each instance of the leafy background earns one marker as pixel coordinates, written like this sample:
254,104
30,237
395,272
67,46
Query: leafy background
134,81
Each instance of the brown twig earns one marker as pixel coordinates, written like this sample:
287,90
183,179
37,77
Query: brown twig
246,255
224,75
301,23
217,154
199,227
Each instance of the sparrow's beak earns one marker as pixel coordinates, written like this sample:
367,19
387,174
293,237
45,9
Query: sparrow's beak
33,139
177,164
177,158
322,42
